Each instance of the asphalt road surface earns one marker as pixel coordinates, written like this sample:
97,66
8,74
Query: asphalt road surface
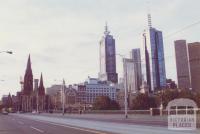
39,124
11,124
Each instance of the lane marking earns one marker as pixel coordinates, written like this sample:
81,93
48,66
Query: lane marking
20,122
72,127
41,131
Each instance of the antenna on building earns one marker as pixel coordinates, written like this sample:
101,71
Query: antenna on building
149,20
106,32
149,15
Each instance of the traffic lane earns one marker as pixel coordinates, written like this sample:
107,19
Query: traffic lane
54,128
8,125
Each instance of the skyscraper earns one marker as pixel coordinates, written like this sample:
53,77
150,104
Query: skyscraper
188,64
108,58
136,57
182,64
194,61
153,61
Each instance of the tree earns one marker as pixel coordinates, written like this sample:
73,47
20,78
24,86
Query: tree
166,95
197,98
105,103
114,105
144,102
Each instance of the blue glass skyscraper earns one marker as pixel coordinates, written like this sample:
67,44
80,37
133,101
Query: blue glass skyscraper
107,58
153,61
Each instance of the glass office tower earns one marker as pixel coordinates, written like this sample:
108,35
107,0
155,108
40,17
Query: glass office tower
153,61
107,58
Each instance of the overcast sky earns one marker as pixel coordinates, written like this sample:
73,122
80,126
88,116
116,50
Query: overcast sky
63,36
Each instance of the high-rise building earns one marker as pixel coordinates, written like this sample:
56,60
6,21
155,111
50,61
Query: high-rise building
130,75
194,61
153,61
136,57
182,64
188,64
107,58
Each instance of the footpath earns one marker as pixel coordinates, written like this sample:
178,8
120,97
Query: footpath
136,119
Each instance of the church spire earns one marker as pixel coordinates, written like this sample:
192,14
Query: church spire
149,20
41,90
28,78
28,67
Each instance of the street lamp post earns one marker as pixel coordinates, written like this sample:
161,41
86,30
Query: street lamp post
37,97
125,86
63,97
9,52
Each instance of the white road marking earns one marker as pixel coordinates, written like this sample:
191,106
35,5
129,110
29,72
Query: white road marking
20,122
41,131
72,127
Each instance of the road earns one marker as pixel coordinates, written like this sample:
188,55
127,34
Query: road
37,124
11,124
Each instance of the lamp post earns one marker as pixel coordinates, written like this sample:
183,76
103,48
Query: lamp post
125,86
9,52
37,97
63,97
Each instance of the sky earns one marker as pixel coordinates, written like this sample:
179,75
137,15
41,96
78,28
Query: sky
63,36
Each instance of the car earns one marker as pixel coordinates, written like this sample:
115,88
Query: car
34,112
4,112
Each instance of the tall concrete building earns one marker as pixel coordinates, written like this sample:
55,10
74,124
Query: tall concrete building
107,58
194,61
182,64
130,75
136,57
153,61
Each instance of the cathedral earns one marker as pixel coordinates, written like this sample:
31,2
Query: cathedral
32,96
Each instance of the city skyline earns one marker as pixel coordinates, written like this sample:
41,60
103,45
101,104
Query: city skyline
50,33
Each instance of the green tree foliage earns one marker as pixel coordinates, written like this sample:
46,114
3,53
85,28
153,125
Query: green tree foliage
197,99
167,95
105,103
144,102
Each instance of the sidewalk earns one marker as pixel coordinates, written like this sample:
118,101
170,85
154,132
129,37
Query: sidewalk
117,118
